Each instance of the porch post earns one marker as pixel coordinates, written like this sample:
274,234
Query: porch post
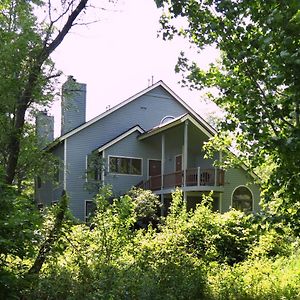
216,174
198,176
185,151
162,159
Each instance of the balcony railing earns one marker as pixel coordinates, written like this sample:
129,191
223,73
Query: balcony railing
191,177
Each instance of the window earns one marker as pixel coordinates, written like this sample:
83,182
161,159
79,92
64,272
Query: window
90,208
242,199
125,165
94,166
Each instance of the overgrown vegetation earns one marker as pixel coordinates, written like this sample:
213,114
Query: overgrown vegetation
190,255
127,251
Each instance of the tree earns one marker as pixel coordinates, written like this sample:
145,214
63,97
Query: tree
258,79
26,73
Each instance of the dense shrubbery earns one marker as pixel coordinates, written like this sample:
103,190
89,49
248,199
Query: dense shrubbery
189,255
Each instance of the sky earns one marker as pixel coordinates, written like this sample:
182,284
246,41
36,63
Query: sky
118,56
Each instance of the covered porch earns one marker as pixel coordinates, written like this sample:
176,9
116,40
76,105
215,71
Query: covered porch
180,160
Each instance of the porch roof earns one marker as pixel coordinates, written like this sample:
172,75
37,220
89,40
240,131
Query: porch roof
209,132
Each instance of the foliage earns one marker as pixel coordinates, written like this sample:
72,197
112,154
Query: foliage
191,255
258,82
19,212
146,207
27,75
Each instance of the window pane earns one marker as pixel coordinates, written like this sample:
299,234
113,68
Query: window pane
124,165
94,166
113,164
136,166
242,199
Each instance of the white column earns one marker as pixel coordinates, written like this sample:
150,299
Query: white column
185,151
162,159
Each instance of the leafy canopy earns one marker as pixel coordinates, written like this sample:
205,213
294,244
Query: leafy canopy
257,79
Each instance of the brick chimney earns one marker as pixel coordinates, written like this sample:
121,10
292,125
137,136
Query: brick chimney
73,105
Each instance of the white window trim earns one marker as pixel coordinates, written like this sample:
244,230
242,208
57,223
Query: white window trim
130,157
242,185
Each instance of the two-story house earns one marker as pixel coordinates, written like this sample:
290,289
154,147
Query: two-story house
152,140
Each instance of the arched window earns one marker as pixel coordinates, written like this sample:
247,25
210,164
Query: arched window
242,199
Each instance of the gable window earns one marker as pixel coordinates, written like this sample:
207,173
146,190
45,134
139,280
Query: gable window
242,199
125,165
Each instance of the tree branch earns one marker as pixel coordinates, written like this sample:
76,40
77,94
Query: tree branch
66,28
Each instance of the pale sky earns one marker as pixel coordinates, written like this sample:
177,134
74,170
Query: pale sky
117,56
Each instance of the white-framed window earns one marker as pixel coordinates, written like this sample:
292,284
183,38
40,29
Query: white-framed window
94,166
89,209
125,165
242,199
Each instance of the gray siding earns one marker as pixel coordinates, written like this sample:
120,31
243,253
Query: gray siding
146,111
233,179
50,191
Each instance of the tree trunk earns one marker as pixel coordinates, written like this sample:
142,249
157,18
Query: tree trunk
27,95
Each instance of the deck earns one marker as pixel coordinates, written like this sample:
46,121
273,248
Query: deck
195,177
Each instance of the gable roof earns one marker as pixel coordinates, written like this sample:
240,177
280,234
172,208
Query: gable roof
120,137
132,98
174,122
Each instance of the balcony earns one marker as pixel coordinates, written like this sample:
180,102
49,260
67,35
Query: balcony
196,177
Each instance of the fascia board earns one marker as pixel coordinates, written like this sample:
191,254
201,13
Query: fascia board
132,98
120,137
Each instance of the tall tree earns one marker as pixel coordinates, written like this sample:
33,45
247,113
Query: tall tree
26,72
258,79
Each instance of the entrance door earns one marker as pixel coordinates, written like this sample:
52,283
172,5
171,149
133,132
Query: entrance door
154,173
154,167
178,163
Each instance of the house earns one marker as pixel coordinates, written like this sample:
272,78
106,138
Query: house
152,140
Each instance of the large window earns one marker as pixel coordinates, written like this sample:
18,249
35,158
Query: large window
95,165
242,199
125,165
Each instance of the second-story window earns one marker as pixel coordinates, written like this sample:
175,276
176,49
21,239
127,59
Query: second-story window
95,166
125,165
